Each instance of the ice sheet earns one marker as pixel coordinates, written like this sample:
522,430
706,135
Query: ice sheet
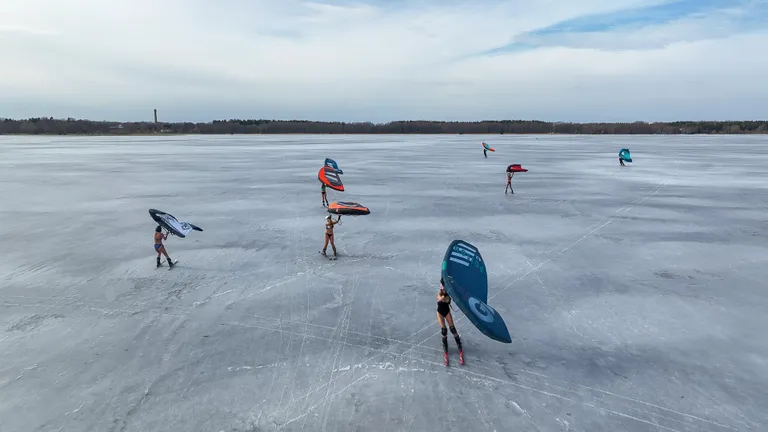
636,296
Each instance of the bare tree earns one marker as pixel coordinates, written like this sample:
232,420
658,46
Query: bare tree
49,126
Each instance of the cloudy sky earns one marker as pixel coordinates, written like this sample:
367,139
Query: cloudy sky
381,60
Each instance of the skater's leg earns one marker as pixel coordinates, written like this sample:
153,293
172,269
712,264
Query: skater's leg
457,338
443,331
325,244
333,245
444,337
455,334
167,257
162,250
158,250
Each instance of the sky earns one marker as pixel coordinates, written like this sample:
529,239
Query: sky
379,61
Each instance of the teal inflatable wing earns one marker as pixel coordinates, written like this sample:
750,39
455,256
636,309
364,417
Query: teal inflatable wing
332,163
625,155
466,281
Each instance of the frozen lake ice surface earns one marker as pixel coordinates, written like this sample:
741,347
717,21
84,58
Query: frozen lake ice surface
636,296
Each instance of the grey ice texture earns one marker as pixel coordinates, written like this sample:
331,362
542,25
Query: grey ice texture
636,296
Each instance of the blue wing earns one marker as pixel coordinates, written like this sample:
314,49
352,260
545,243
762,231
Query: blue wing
625,155
466,281
332,163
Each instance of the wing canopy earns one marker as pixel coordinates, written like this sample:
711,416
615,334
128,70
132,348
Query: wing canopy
173,225
466,281
329,177
348,208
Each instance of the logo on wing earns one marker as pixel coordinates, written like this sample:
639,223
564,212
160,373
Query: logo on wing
463,254
481,310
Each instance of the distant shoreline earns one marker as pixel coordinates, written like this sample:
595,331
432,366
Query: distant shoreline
159,134
75,127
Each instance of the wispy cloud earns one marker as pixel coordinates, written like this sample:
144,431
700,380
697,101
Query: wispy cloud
644,15
649,26
381,60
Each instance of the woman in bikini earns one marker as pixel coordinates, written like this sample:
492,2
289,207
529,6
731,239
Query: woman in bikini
329,224
443,315
159,247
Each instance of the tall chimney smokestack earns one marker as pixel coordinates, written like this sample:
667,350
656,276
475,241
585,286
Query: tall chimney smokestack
155,115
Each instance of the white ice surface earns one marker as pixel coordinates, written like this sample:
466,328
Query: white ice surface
637,297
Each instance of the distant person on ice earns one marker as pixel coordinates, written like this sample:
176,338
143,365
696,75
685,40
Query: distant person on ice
624,156
485,152
322,192
443,315
329,224
159,247
509,182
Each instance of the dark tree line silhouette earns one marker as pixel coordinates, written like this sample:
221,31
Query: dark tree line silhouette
70,126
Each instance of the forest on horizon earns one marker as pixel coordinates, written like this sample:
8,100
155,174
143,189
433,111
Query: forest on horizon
71,126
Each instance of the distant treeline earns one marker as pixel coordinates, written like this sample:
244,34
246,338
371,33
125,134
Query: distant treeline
51,126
